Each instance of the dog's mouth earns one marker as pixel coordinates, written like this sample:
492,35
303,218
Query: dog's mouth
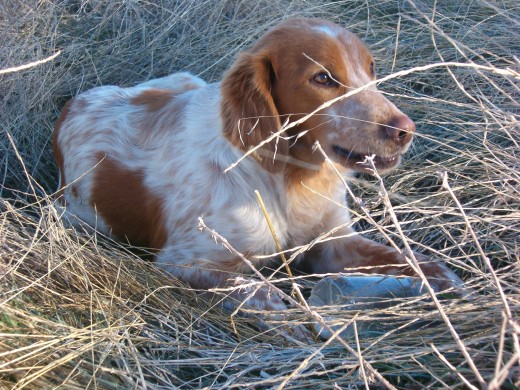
358,161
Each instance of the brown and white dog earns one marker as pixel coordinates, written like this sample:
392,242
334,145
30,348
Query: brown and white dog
142,164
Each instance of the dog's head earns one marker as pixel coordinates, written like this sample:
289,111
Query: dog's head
292,70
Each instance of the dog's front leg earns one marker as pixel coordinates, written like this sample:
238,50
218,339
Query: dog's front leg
351,252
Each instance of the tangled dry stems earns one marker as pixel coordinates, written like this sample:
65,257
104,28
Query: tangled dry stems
79,311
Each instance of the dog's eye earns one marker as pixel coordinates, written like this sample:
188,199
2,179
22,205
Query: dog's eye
372,69
324,79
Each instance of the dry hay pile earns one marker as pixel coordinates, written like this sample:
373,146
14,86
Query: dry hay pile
78,311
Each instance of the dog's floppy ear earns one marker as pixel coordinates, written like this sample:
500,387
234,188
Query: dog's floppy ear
249,112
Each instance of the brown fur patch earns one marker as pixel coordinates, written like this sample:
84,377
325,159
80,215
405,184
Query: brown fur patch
356,254
248,109
161,121
131,210
154,99
301,182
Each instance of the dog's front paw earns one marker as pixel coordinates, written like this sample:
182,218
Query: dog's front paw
439,275
253,296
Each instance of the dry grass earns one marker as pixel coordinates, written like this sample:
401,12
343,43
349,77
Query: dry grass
78,311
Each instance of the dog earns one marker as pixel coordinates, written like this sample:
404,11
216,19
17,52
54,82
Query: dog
142,164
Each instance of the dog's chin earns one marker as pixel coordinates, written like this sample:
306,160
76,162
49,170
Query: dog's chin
365,163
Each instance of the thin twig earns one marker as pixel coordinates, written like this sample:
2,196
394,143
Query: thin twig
30,64
295,287
454,369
